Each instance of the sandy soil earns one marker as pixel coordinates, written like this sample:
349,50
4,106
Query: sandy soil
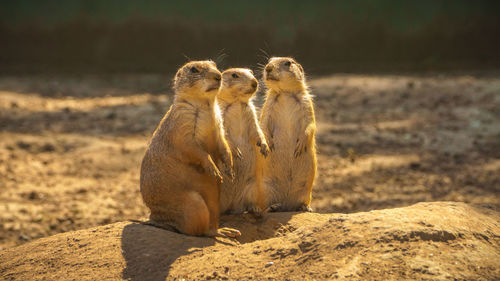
426,241
70,147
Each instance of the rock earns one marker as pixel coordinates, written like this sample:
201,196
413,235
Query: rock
48,147
440,240
269,264
33,195
111,115
23,145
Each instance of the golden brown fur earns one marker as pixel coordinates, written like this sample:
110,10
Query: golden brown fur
246,140
289,125
181,169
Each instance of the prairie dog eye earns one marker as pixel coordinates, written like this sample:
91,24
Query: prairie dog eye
288,63
234,75
194,70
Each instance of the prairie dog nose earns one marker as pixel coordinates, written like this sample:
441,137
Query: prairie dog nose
254,83
212,74
217,76
269,68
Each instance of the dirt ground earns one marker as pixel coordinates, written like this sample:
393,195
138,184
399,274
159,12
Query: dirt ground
425,241
70,147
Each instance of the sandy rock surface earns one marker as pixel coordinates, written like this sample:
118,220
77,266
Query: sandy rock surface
441,240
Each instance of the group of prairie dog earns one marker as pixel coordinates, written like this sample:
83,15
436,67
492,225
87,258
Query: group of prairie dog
211,154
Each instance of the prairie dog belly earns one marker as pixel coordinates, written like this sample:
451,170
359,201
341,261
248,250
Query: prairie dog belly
235,194
286,176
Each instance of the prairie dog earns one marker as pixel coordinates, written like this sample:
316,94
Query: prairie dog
181,169
245,139
289,125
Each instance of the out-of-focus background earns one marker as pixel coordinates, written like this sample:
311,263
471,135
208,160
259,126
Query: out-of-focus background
407,96
153,36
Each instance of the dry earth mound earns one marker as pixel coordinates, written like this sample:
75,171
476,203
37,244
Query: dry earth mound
436,241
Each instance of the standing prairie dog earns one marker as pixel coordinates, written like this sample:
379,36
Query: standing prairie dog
181,169
289,125
246,140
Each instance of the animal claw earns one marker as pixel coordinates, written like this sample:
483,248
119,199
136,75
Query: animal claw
271,147
264,149
238,153
218,176
229,173
300,147
296,153
305,208
228,232
273,208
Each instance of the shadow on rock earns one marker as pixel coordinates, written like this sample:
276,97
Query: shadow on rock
150,251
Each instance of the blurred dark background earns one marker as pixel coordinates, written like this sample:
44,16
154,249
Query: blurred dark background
92,36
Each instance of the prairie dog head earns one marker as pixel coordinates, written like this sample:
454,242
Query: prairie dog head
284,74
200,79
238,84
